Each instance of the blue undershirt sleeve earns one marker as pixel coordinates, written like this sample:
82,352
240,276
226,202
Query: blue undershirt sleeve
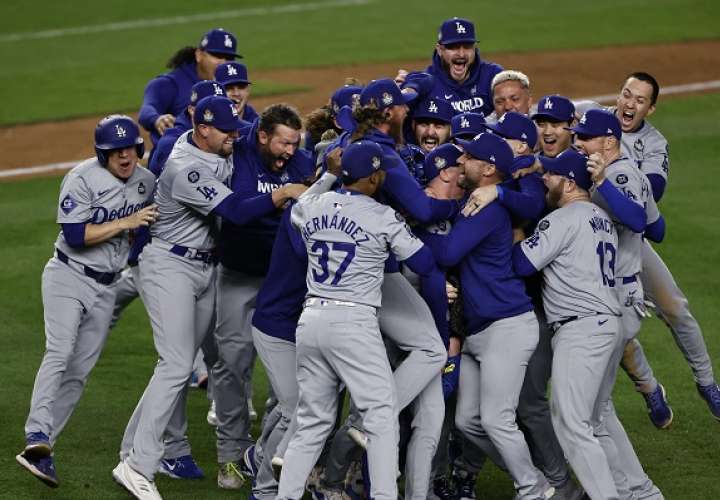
159,94
521,264
407,192
625,210
656,231
658,184
240,210
74,234
529,202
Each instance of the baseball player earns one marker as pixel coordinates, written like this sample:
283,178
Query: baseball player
502,332
167,95
643,144
510,92
267,159
102,200
431,123
348,237
177,274
457,74
624,192
233,76
581,308
554,116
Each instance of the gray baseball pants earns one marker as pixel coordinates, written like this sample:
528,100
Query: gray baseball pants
342,344
77,312
179,295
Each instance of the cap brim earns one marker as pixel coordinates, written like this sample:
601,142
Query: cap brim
232,126
450,41
579,129
552,118
222,52
430,116
345,119
237,80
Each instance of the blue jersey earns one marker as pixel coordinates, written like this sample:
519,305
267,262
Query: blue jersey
167,94
523,197
474,94
482,246
247,248
280,298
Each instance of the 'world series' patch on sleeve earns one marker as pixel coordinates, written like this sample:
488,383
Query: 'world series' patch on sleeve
68,204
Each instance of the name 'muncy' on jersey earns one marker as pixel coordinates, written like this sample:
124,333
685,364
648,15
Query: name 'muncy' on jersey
348,237
89,193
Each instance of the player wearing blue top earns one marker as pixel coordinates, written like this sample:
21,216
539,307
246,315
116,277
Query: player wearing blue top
233,76
267,161
167,95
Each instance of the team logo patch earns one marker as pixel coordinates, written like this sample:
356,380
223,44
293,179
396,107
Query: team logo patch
193,176
492,158
68,204
621,179
583,119
387,99
208,116
228,41
464,122
399,217
639,146
141,188
193,97
459,28
284,177
433,107
376,162
440,162
119,131
544,224
233,110
231,71
548,103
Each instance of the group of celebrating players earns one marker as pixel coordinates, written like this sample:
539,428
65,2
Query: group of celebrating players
435,245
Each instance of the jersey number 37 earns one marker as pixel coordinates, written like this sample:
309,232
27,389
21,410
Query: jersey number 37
346,251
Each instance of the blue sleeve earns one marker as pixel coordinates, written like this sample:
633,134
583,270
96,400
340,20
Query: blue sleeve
404,189
240,210
464,236
141,237
293,234
521,264
658,184
625,210
74,234
656,231
451,375
159,96
529,202
432,289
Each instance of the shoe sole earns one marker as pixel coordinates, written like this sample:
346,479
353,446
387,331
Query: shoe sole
358,437
120,480
716,417
37,451
51,482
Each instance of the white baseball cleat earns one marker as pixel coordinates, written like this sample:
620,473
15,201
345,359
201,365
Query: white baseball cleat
211,415
135,483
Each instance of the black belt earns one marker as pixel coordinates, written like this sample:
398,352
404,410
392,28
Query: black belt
206,256
629,279
102,278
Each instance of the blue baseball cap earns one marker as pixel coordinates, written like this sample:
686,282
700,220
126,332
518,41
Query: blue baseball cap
361,159
203,89
597,123
219,41
441,157
456,30
513,125
434,109
490,148
556,108
218,112
467,125
231,72
385,93
570,164
347,95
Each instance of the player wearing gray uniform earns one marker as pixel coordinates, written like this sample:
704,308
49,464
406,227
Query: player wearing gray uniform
581,308
101,200
634,211
348,237
177,272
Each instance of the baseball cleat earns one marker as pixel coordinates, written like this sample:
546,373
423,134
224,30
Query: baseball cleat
37,445
277,464
230,476
251,410
442,489
358,436
212,416
183,467
321,493
569,491
42,468
135,483
248,468
711,395
659,411
464,484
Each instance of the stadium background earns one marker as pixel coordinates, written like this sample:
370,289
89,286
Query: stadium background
65,64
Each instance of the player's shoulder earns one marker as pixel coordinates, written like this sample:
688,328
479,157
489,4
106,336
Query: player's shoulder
143,174
652,135
87,171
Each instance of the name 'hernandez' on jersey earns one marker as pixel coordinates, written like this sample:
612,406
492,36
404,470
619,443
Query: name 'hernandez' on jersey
192,184
635,185
348,238
89,193
576,246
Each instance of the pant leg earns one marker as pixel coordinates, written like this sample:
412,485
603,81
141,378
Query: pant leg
126,288
582,351
180,298
673,308
235,305
636,365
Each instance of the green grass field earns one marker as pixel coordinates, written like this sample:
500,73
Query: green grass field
683,461
91,73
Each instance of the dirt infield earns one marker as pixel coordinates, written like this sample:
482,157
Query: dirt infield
574,73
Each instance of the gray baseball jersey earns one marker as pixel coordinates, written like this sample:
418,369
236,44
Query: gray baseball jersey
634,184
192,184
90,193
577,246
648,149
346,262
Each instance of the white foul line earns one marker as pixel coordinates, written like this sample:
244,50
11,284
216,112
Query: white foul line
673,89
169,21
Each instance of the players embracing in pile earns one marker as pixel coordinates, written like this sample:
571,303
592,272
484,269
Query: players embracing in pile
439,252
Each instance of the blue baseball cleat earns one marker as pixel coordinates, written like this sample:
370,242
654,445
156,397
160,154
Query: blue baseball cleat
42,468
37,445
659,411
181,468
711,395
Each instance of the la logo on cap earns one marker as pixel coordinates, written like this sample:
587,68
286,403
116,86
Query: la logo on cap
228,41
583,119
233,110
218,90
492,158
548,103
433,107
119,131
231,71
464,123
459,27
193,96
